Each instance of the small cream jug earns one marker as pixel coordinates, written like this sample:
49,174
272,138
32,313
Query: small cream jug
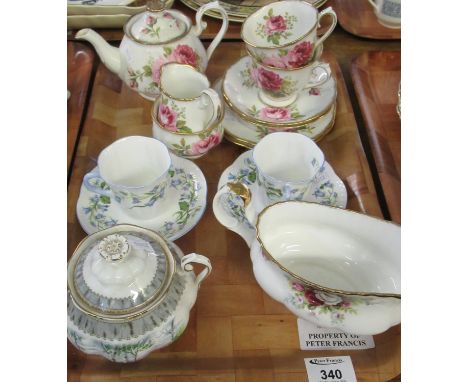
153,38
187,104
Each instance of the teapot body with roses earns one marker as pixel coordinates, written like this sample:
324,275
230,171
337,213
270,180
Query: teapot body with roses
153,38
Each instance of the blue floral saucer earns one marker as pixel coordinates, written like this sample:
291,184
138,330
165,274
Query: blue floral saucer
229,207
177,214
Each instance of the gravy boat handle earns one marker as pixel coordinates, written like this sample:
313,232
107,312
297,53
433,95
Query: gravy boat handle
237,218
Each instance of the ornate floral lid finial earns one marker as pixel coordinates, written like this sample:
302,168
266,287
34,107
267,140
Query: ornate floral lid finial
114,247
156,5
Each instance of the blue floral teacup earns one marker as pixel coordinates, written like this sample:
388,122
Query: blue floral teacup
287,165
133,171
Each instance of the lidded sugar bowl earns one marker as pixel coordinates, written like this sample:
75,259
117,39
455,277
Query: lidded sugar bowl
155,37
129,292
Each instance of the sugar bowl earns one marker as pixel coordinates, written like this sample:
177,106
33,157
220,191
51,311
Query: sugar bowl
129,292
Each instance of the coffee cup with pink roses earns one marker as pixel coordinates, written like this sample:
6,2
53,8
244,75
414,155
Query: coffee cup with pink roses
283,34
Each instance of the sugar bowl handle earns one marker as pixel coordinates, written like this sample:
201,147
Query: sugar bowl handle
327,12
374,5
93,188
200,259
201,25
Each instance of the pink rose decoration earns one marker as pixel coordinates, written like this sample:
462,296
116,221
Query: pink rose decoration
300,54
156,69
277,62
268,80
312,299
150,20
297,286
276,113
314,91
184,54
204,145
167,117
275,24
167,15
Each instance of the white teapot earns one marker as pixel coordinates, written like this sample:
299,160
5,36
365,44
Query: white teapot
155,37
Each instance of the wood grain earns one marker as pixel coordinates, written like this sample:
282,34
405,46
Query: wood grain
376,76
357,17
236,332
80,58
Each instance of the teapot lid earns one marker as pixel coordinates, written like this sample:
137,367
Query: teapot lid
120,272
157,25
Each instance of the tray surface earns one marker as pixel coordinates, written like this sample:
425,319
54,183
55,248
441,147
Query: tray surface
376,76
236,332
357,17
80,59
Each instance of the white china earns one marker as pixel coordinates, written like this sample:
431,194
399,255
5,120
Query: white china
129,292
187,104
283,34
281,87
388,12
189,145
332,267
153,38
136,169
287,164
247,134
229,208
241,94
176,215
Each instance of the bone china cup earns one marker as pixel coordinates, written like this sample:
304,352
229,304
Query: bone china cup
332,267
136,171
187,104
287,164
284,34
388,12
280,87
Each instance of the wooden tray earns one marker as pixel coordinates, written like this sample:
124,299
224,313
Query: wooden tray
376,76
357,17
80,59
236,332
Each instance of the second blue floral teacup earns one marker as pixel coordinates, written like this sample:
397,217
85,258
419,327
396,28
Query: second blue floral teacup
133,171
287,165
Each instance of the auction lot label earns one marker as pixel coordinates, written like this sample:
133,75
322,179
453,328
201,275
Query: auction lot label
312,337
330,369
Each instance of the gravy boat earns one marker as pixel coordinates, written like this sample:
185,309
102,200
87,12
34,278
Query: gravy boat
335,268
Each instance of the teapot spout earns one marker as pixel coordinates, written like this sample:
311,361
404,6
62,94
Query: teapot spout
109,55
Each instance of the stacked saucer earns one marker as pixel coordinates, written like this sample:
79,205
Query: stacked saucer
280,85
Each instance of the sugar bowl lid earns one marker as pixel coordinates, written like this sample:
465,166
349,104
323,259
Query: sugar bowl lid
157,25
120,273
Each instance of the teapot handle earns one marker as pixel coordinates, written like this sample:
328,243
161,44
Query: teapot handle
200,259
201,25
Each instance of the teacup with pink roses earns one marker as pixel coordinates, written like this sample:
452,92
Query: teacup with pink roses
280,87
284,34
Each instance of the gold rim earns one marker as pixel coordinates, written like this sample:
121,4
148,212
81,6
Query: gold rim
250,144
273,124
206,131
161,88
125,314
186,20
307,282
284,45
